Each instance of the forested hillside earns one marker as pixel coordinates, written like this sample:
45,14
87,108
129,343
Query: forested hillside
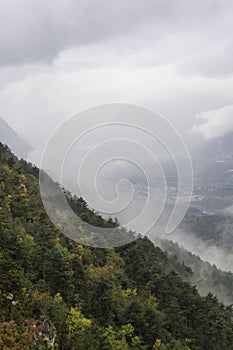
58,294
205,276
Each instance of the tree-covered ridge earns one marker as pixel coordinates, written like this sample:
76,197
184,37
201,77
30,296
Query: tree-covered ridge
205,276
55,293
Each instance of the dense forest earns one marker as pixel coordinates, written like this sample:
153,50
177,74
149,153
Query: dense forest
58,294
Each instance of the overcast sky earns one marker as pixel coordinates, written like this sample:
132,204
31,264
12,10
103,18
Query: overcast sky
57,57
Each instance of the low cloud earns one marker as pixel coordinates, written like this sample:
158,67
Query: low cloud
215,123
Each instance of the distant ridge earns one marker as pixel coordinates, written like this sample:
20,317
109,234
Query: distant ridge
220,147
10,137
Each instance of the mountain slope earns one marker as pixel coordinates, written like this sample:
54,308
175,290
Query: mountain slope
206,277
220,147
10,137
55,293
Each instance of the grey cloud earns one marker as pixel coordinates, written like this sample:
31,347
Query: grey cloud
39,31
161,53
